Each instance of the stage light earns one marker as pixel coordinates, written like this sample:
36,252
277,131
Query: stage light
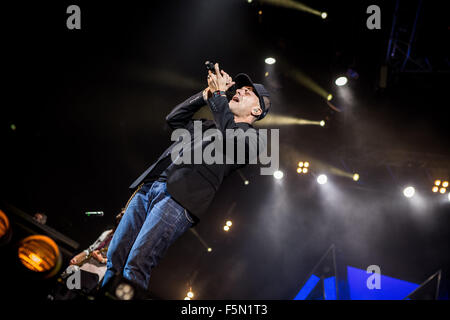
305,170
209,249
300,164
249,1
356,177
449,196
4,226
306,164
278,174
324,15
299,170
329,97
445,184
442,190
322,179
39,253
270,60
341,81
260,12
322,123
229,223
246,182
190,294
266,74
13,127
226,228
124,291
409,192
437,183
187,298
435,189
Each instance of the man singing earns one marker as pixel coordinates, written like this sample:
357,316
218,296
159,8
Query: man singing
170,197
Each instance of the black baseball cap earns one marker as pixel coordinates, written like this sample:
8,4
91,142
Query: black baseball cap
263,95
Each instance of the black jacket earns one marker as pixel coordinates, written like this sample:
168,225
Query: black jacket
194,185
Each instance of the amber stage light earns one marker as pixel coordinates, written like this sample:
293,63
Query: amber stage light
39,253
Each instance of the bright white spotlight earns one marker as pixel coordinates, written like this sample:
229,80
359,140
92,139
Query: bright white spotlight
322,123
246,182
341,81
322,179
324,15
270,60
409,192
278,174
449,196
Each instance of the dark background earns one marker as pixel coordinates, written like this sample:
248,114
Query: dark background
89,108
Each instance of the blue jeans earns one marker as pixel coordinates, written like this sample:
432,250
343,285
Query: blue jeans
153,220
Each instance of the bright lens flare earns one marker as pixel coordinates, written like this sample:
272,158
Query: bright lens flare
341,81
409,192
270,60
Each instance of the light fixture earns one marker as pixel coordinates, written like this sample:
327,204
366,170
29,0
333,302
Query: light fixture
306,164
329,97
442,190
305,170
409,192
437,183
449,196
246,182
322,123
5,229
355,177
435,189
278,174
324,15
229,223
445,184
270,60
209,249
226,228
341,81
124,291
322,179
190,294
187,298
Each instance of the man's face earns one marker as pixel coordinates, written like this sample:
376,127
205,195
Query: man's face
244,101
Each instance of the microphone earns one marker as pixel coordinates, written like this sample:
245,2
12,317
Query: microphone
94,213
231,90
